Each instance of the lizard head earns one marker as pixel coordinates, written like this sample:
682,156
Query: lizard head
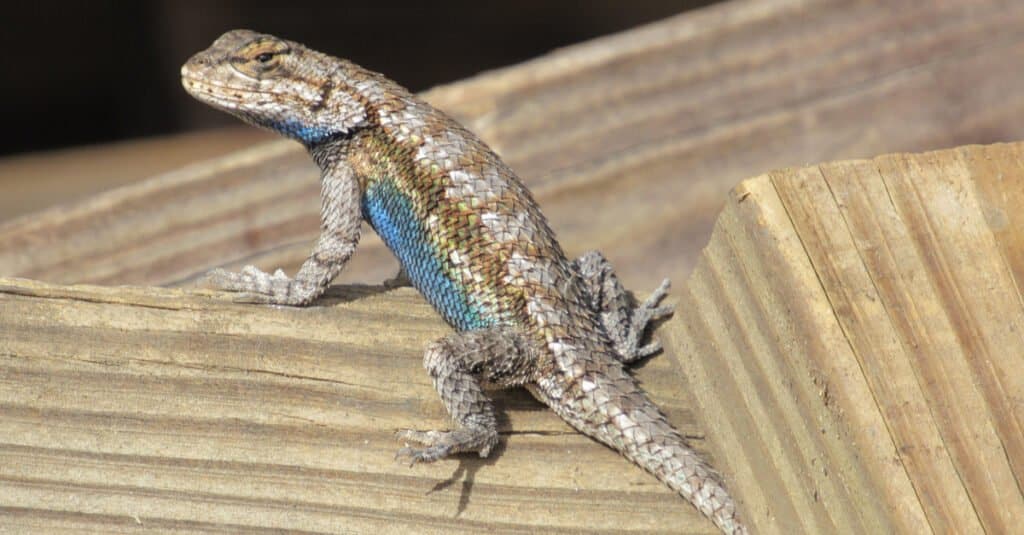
275,84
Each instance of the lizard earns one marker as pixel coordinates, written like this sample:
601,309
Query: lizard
470,237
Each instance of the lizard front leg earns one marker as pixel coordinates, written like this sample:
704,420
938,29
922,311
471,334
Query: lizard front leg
340,218
624,322
462,365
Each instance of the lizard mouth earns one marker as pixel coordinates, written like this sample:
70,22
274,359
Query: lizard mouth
227,96
216,94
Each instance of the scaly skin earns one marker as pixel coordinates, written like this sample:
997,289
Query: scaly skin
470,237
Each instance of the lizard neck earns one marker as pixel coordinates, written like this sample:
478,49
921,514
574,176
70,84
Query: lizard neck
330,153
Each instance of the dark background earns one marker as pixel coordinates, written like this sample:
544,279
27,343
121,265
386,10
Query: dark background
88,72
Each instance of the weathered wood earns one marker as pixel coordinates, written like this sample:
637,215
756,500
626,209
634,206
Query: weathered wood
40,180
630,142
154,410
854,335
851,339
851,334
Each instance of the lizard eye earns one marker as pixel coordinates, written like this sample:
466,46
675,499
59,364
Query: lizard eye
261,58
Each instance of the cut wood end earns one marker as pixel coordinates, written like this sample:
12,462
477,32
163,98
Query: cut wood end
852,335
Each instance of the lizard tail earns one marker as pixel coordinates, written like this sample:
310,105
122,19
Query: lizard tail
679,467
607,404
616,411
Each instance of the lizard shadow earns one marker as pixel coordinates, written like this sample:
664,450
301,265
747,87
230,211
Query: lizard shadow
465,473
470,463
346,293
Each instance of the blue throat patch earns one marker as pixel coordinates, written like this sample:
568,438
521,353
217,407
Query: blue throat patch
391,214
307,134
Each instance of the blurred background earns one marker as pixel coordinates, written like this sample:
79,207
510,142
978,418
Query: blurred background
632,143
79,73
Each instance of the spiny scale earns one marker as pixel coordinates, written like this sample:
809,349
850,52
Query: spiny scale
470,237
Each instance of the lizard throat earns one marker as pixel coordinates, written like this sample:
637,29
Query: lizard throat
233,101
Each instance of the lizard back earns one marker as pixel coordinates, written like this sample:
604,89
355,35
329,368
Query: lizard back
464,227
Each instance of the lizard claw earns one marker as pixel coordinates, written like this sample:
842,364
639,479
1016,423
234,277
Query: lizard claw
649,310
656,296
441,444
415,455
407,452
422,455
431,453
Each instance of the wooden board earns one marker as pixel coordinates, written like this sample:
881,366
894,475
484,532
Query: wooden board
40,180
148,410
630,142
118,411
854,333
849,341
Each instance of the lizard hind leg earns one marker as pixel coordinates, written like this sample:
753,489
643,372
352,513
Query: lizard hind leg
462,365
624,322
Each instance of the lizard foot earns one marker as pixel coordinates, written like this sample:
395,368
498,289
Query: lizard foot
441,444
649,311
255,286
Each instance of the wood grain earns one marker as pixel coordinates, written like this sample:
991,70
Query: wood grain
853,335
40,180
630,142
849,342
155,410
850,339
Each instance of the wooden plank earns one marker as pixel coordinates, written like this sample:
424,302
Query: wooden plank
630,142
974,286
852,334
40,180
154,410
848,342
767,368
819,221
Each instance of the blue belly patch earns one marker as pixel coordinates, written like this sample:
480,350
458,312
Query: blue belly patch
391,214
